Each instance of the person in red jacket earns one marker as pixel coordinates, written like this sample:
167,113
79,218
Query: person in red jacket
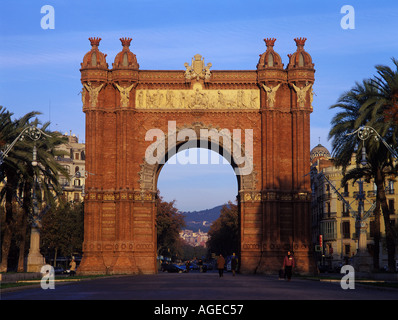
288,265
220,265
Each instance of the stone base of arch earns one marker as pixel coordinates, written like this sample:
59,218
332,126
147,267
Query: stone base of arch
128,245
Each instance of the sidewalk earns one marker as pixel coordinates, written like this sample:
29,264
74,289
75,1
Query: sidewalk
14,277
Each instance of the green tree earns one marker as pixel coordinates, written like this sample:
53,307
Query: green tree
169,223
224,232
62,230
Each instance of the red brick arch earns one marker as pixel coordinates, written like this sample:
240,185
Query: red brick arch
123,103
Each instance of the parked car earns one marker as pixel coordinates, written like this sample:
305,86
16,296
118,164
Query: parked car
172,268
59,270
193,266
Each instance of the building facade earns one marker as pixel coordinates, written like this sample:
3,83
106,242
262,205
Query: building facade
334,232
194,239
74,162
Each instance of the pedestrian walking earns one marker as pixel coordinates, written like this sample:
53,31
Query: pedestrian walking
200,263
72,265
220,265
288,265
234,264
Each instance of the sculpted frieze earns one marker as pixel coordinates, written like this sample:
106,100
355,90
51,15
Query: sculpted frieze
197,98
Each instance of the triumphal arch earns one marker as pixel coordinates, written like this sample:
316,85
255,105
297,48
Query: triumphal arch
137,119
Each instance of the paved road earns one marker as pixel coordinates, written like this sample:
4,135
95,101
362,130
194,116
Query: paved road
199,286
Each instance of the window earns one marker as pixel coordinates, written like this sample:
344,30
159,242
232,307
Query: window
125,62
391,206
301,60
94,59
346,230
328,229
77,155
345,194
270,60
391,187
346,213
372,228
347,249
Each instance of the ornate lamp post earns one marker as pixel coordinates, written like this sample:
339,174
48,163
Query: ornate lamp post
362,258
35,259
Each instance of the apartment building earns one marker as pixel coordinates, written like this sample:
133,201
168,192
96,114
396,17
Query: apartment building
334,231
74,162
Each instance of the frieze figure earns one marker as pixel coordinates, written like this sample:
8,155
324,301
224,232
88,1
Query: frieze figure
301,94
124,94
271,93
93,91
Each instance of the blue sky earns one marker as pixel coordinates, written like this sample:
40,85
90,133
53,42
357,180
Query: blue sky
39,69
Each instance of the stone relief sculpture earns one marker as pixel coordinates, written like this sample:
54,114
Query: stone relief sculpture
83,94
124,94
197,69
271,93
253,100
93,91
312,93
197,99
301,94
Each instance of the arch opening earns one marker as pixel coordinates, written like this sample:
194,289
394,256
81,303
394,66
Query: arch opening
200,180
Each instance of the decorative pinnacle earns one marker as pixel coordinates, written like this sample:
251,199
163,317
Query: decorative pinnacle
300,42
126,41
94,41
269,42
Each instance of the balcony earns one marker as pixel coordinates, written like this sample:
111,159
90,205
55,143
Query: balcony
327,196
329,215
371,194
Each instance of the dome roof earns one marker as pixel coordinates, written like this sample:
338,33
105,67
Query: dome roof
94,58
319,152
125,58
301,58
269,59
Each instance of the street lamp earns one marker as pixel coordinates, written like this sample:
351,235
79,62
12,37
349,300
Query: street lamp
35,259
33,132
364,133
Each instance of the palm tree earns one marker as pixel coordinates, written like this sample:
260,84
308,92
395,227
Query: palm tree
360,106
382,111
18,170
386,97
9,172
346,121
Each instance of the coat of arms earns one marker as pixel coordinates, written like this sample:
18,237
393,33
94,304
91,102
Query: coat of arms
197,69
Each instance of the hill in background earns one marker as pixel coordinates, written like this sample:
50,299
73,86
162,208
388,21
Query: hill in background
202,219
